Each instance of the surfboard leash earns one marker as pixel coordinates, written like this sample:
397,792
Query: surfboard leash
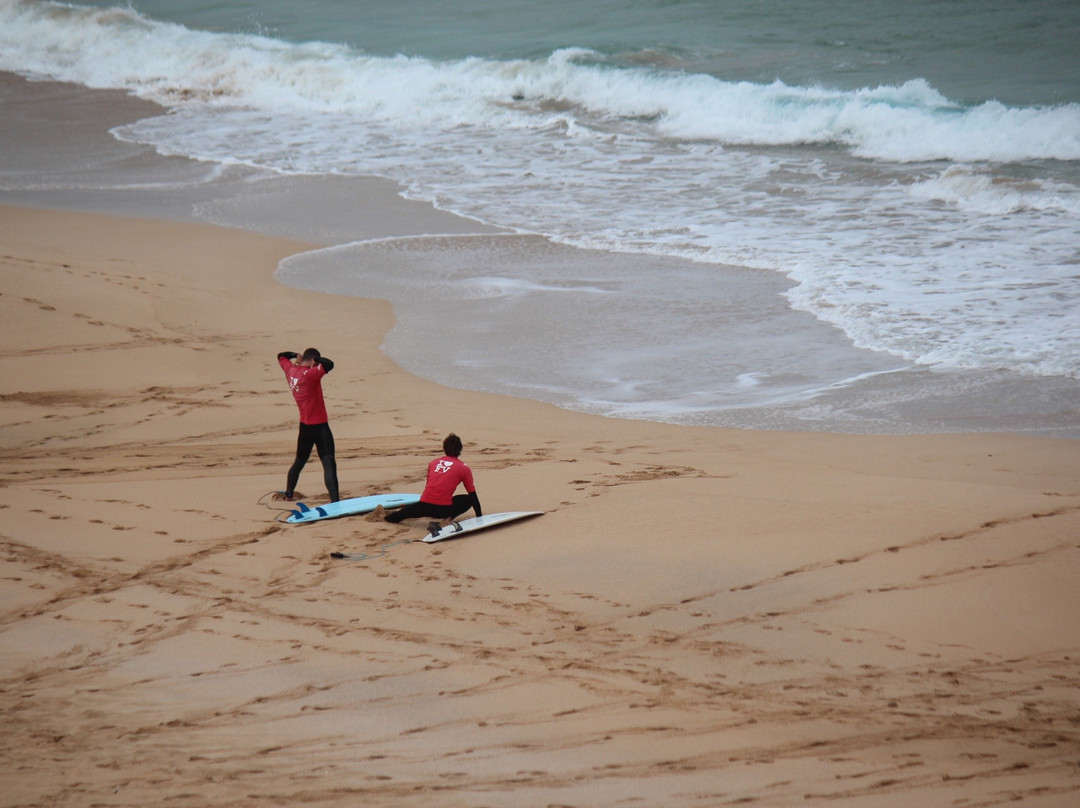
282,513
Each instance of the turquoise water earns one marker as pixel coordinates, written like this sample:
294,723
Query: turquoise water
1016,52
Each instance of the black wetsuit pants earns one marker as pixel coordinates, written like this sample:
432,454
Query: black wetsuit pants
462,503
321,438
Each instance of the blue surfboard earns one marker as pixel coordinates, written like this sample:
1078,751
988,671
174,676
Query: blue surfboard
348,507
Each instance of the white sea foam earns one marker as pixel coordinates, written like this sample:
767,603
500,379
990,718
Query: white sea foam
983,191
118,48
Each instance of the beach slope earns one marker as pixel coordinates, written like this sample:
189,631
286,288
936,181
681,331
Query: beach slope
701,616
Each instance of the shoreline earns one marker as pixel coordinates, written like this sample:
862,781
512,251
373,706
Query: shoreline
778,369
702,614
789,370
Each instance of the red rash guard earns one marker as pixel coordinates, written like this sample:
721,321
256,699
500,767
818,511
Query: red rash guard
306,386
443,476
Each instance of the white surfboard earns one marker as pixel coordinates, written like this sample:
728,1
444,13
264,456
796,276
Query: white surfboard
464,526
348,507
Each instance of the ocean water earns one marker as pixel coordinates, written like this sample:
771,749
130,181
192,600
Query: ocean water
853,214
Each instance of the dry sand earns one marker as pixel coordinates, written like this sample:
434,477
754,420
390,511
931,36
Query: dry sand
702,617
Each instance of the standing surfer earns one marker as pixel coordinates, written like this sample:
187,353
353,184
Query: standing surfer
305,381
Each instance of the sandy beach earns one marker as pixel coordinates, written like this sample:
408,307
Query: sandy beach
702,616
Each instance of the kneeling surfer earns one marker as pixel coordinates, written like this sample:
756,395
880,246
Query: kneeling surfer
444,474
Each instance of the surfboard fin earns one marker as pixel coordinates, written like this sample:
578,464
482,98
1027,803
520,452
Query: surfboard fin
433,528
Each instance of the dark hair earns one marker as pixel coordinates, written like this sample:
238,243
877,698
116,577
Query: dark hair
452,445
310,355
